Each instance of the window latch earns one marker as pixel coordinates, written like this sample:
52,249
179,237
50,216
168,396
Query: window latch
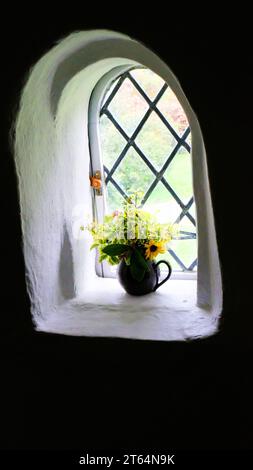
96,183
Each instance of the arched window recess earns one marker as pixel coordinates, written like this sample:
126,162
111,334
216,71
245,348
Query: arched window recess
58,146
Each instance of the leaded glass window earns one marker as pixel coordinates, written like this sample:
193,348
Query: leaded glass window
146,145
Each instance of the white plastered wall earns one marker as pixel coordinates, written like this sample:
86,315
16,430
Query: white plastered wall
52,161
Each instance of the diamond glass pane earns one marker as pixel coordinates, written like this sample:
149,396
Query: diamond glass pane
189,139
163,204
156,141
114,198
179,174
128,107
148,81
133,174
173,111
110,91
192,210
185,250
186,225
112,142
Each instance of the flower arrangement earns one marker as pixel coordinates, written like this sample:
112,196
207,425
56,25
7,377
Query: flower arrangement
132,235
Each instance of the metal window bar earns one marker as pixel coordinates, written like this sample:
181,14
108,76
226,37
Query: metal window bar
159,175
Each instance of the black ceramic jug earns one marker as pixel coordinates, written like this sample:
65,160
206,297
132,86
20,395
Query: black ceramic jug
149,283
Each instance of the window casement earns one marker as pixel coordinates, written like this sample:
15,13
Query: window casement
57,147
121,149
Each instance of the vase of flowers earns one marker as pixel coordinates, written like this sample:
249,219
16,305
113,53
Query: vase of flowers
149,282
132,239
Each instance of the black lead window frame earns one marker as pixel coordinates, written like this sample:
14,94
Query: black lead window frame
108,173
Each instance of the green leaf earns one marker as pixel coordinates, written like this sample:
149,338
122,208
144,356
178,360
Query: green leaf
115,249
94,245
138,266
140,260
137,272
102,257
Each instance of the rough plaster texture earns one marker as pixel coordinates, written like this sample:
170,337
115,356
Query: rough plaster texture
168,314
52,162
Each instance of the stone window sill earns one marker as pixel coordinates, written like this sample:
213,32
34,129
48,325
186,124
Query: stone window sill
169,314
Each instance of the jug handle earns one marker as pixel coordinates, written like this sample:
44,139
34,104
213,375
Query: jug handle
158,284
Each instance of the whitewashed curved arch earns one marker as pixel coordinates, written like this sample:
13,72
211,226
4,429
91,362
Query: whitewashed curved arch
52,162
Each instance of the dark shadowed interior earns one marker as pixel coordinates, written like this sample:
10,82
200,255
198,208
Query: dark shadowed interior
63,392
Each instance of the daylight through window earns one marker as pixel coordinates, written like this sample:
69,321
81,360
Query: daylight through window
146,146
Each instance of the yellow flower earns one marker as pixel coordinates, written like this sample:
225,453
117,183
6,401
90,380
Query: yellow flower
153,248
